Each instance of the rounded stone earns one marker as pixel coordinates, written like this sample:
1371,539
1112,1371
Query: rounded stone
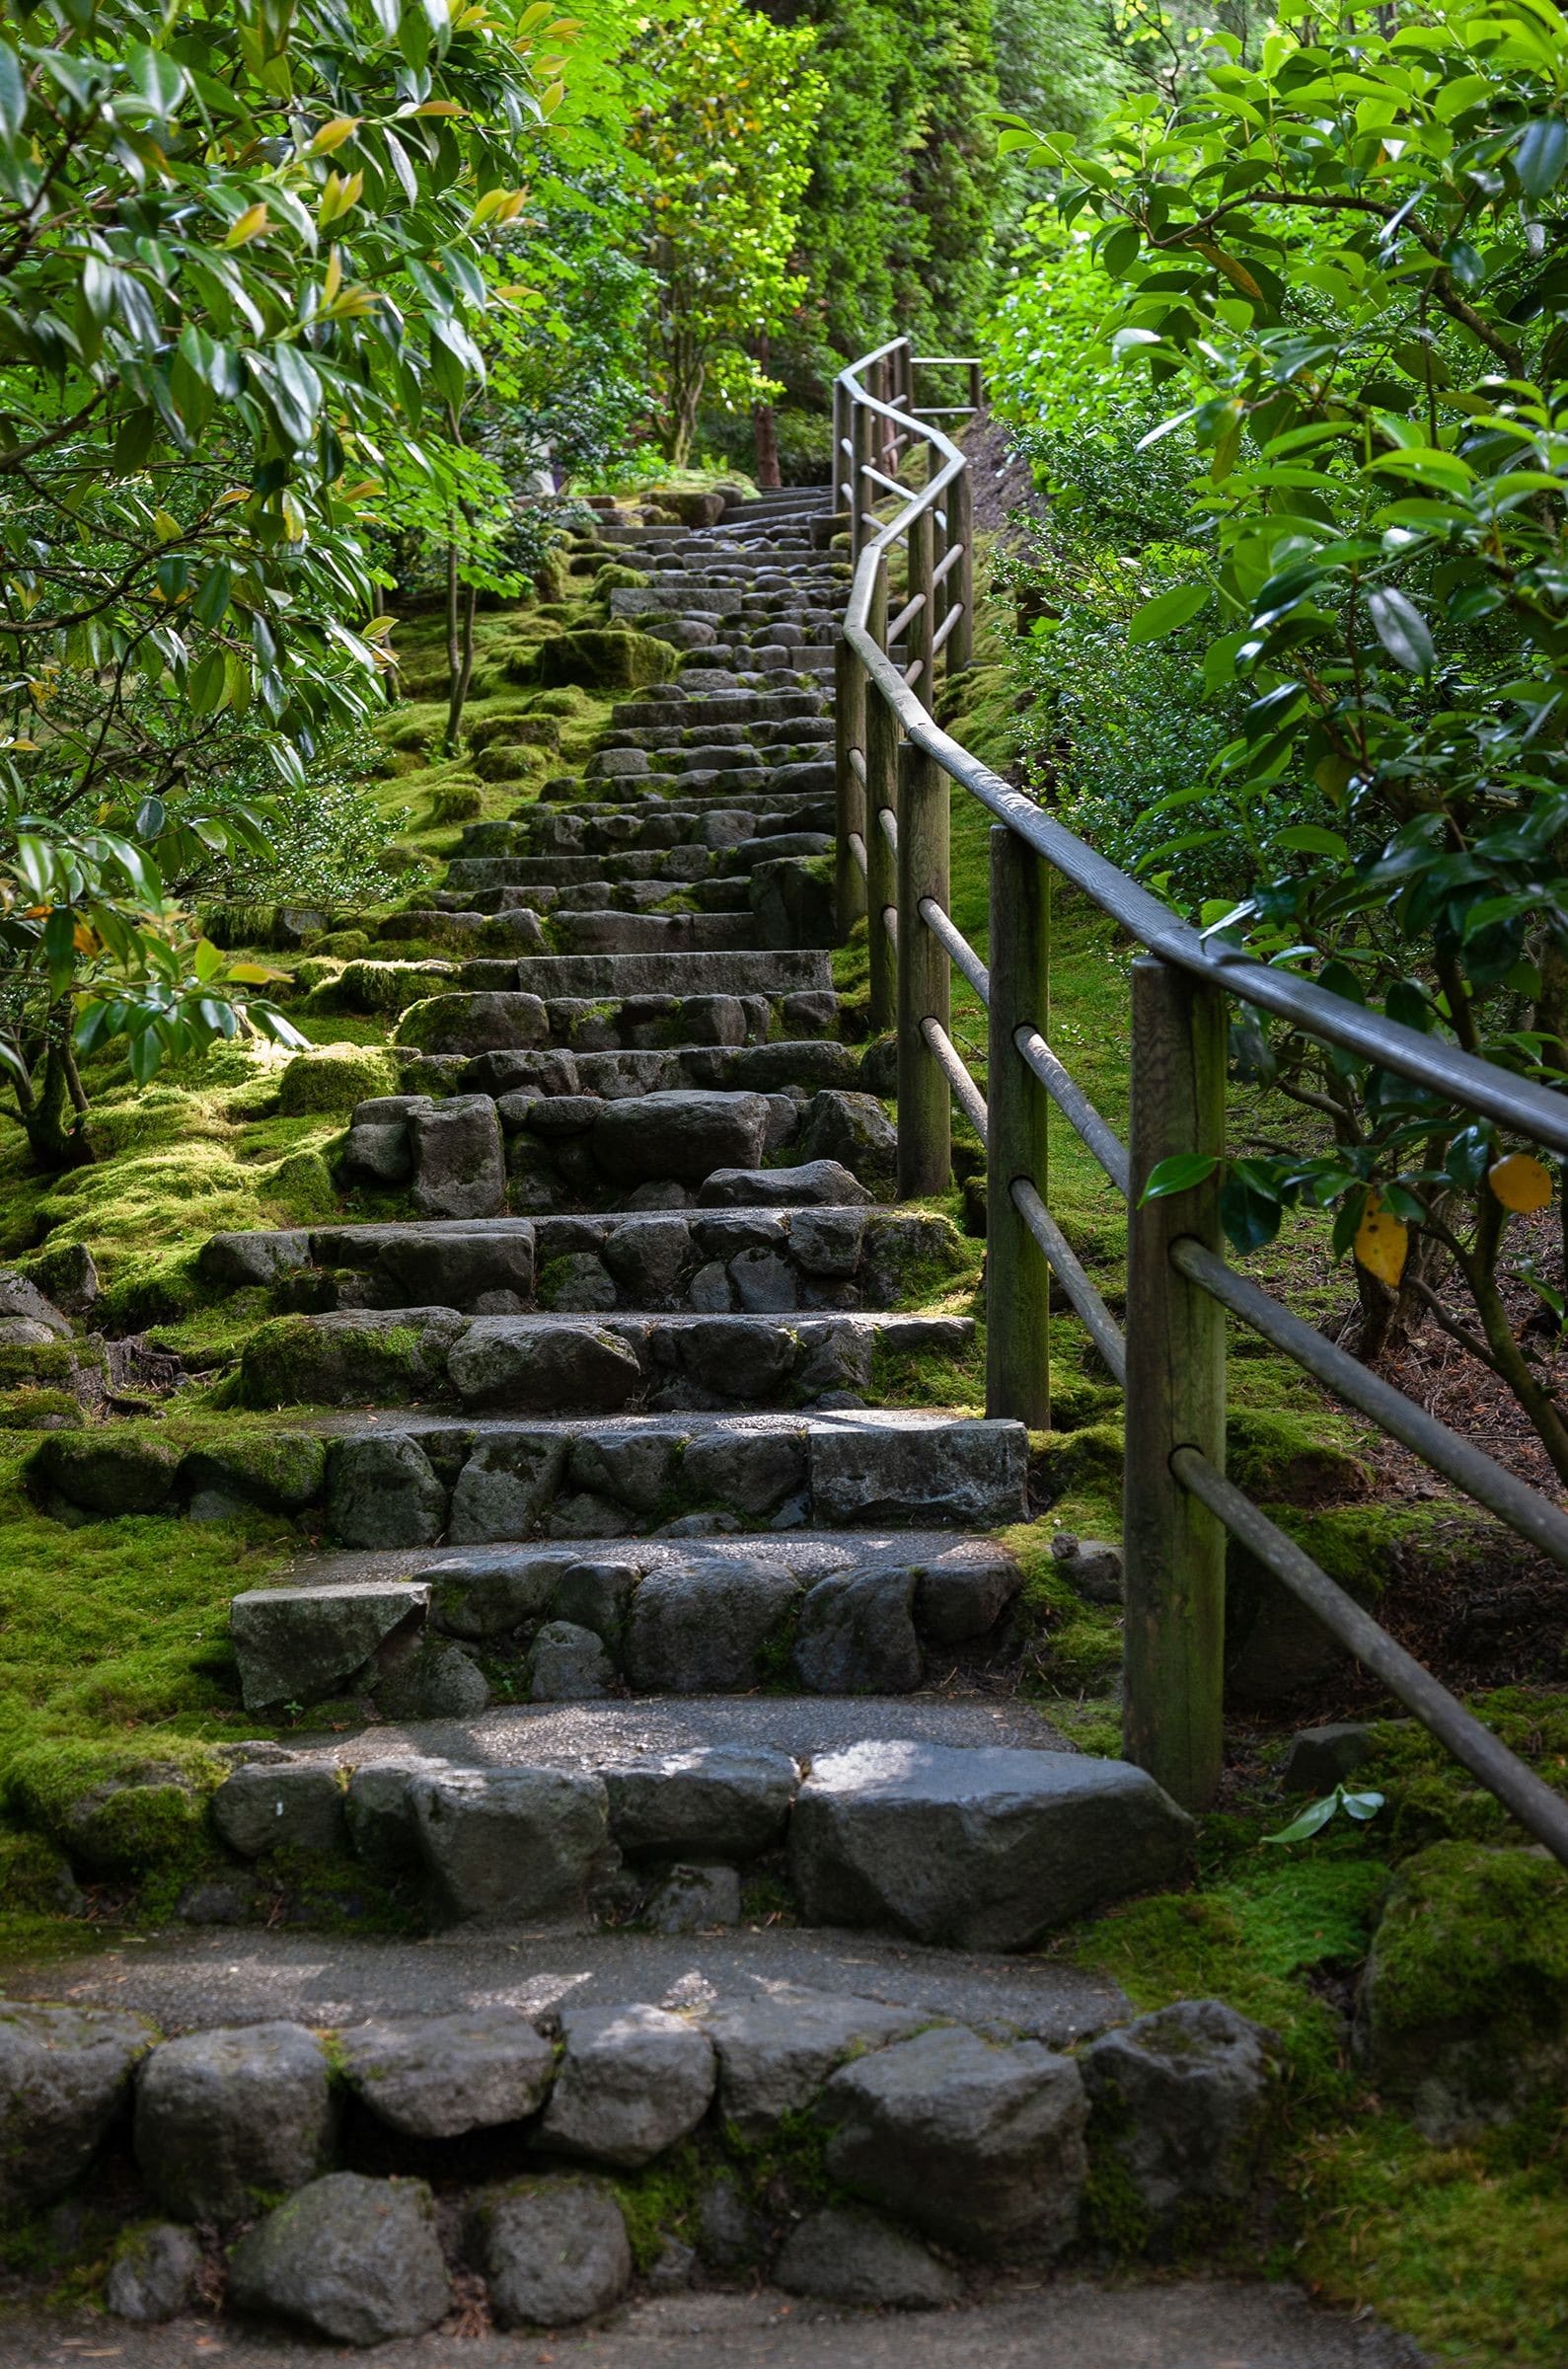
351,2257
555,2252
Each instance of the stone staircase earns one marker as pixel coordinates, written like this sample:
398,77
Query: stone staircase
666,1629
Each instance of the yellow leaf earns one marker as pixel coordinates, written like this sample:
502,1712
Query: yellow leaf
252,224
1520,1182
334,276
1382,1241
166,529
1235,272
440,106
332,136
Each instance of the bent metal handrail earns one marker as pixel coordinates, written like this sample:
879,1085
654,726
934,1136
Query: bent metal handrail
893,863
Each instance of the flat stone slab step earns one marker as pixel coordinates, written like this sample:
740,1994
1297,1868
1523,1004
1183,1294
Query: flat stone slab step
834,1613
579,1363
390,1482
708,1261
195,1981
786,971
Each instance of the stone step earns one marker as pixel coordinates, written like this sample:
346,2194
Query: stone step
450,1023
986,1847
401,1480
612,931
810,1063
591,895
834,1613
712,810
805,736
710,1261
678,704
557,877
780,972
588,1364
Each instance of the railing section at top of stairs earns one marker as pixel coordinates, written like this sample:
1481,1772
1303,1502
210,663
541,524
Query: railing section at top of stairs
894,768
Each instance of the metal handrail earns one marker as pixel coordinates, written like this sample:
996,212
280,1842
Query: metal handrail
1172,1681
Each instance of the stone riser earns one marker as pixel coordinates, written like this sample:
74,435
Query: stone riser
707,1262
986,2138
540,880
578,1622
406,1481
534,1365
812,1063
608,932
472,1026
619,976
973,1847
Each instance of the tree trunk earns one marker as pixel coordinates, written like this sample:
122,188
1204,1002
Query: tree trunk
462,671
51,1109
765,425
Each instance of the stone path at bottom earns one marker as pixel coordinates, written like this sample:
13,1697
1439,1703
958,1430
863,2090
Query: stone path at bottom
1068,2323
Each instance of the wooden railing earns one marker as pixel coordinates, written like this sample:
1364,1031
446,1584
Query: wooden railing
894,766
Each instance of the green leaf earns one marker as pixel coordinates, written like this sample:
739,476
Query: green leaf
13,93
1309,839
1313,1819
1401,629
1167,612
1180,1175
1540,155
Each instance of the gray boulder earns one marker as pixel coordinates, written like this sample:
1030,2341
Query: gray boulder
634,1468
752,1472
384,1491
632,2082
694,1899
568,1665
436,2076
153,2275
354,2258
964,1592
1181,2099
257,1809
555,2252
979,2146
438,1680
223,2117
300,1643
597,1594
540,1368
236,1261
377,1151
21,1303
823,1182
848,2256
727,1801
459,1160
683,1135
1091,1567
857,1635
963,1476
488,1268
1316,1759
982,1849
501,1842
485,1595
776,2047
379,1815
855,1130
699,1630
65,2078
504,1486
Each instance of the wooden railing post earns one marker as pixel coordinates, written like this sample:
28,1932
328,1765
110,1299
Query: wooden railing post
1017,1279
861,424
924,976
1173,1547
849,736
960,643
882,790
918,639
839,399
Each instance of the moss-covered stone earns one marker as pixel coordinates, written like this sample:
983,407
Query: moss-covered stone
602,658
379,986
333,1077
1463,2013
298,1362
1285,1460
106,1472
283,1472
